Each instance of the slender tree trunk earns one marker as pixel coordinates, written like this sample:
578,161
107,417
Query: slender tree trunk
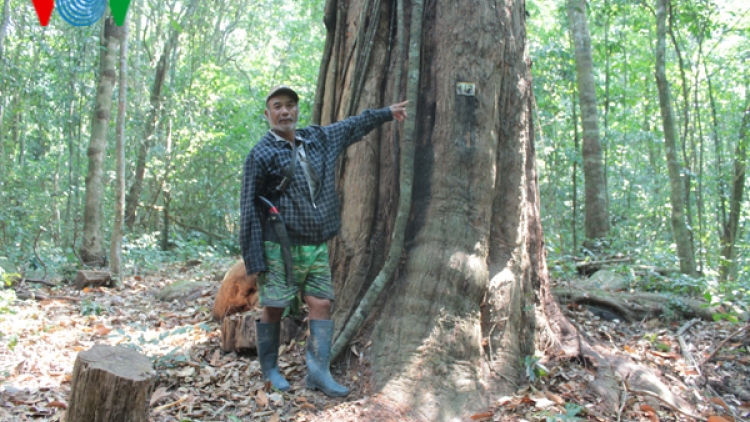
688,158
719,163
577,148
677,196
72,127
92,251
728,267
149,136
115,245
4,27
167,194
597,219
607,99
3,31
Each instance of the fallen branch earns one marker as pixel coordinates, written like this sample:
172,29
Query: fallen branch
590,267
712,354
604,261
637,305
25,295
196,228
666,403
45,282
651,269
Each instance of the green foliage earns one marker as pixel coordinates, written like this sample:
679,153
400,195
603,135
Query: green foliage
170,360
228,56
12,342
622,34
7,297
90,307
534,369
230,53
571,414
730,298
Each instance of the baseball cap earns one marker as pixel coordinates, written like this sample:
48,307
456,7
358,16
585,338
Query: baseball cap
282,89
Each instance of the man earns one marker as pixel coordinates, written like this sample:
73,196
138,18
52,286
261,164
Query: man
289,209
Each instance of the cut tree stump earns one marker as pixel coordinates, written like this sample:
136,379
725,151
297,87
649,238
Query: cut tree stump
110,384
92,278
238,332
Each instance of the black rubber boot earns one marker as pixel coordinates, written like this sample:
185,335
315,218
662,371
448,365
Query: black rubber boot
318,359
267,338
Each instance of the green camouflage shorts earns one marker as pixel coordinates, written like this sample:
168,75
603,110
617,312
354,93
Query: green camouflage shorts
311,272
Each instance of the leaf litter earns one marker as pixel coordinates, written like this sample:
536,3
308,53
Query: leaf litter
196,381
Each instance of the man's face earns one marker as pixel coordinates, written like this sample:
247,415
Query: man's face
281,112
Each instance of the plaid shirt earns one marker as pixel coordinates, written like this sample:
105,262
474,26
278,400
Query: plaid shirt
309,219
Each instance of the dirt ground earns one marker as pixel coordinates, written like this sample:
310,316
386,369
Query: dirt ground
195,381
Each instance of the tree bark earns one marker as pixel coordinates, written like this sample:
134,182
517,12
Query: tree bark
458,317
728,265
115,245
110,384
597,219
92,251
677,196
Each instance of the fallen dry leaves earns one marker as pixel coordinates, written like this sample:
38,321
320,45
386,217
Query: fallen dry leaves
196,381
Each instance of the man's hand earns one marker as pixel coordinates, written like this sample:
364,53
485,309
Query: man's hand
399,111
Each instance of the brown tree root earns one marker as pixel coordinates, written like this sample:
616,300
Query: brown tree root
636,306
562,341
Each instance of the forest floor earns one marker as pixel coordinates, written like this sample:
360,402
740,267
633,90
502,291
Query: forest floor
40,339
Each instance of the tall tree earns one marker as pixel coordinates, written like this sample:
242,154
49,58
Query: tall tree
461,303
92,251
115,244
728,266
4,26
3,30
597,218
677,196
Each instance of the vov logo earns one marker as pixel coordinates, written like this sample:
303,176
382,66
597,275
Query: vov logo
81,12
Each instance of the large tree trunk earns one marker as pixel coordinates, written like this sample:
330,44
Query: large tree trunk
458,318
728,266
677,195
92,252
597,219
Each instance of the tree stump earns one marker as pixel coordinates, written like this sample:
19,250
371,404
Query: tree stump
110,384
238,332
92,278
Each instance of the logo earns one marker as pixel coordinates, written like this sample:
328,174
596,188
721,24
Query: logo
81,12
